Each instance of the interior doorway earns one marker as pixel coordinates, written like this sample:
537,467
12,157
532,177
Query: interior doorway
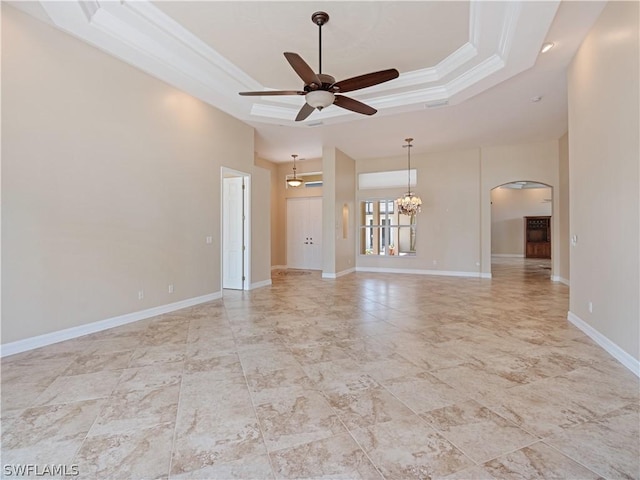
521,214
234,231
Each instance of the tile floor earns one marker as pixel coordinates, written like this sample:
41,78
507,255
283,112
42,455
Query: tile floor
366,376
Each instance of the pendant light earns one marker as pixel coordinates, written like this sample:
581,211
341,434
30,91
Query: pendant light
409,203
294,181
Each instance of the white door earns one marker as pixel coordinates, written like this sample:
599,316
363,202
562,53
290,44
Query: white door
304,233
296,211
233,234
313,257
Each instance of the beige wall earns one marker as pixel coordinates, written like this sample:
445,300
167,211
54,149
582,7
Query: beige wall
509,206
260,216
328,210
278,256
603,86
454,229
447,230
563,213
110,184
536,162
344,204
339,185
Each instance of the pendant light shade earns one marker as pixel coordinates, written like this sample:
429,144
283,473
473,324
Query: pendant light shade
409,203
294,181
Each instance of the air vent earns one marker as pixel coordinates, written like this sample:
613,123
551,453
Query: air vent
315,124
436,103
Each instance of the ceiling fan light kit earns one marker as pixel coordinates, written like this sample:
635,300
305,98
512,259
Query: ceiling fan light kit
319,99
321,90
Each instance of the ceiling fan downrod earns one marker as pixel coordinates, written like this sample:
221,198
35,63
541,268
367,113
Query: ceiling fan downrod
321,90
320,18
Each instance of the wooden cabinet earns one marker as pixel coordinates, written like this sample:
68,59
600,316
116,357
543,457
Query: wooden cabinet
537,237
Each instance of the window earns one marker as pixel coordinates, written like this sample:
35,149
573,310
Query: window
388,179
383,231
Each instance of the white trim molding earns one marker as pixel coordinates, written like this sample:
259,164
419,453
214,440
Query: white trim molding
508,255
31,343
278,267
263,283
339,274
558,278
611,348
444,273
141,34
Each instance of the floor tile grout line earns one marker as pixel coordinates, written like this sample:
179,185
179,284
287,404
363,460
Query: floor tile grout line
175,420
322,393
253,406
102,407
348,430
579,462
543,312
431,426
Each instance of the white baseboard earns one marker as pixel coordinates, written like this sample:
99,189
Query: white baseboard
264,283
611,348
339,274
508,255
278,267
93,327
444,273
558,278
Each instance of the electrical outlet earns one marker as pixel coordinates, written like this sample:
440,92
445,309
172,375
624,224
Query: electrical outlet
140,294
170,288
590,307
209,240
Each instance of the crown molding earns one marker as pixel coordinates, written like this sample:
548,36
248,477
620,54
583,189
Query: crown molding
142,35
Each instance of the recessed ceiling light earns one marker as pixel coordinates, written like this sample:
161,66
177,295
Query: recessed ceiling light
536,99
546,47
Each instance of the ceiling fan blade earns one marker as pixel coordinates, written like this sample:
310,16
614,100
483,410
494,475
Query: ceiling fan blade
353,105
272,92
366,80
304,112
303,69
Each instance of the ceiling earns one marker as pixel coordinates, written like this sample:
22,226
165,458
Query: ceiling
468,70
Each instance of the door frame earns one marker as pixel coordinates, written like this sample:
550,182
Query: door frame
226,172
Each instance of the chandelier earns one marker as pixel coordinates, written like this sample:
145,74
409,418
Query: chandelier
294,181
409,203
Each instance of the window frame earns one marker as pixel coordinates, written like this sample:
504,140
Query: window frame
385,230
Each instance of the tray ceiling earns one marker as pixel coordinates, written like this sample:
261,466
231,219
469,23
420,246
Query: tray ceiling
447,54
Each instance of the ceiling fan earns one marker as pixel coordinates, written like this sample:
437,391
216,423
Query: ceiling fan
321,90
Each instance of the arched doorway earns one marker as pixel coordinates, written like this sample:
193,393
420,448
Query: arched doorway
521,219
